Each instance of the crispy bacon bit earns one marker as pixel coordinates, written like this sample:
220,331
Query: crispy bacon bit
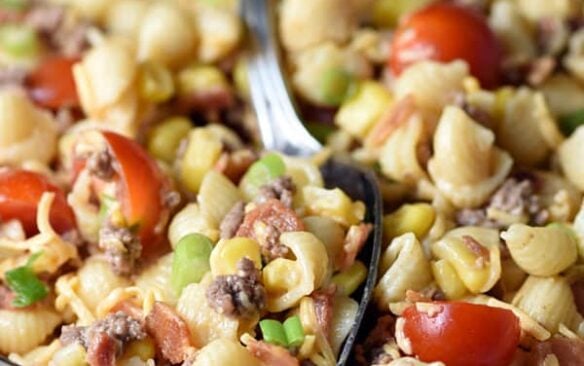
372,348
540,69
270,354
389,122
415,296
354,241
323,307
102,350
481,252
233,165
6,298
569,352
170,332
266,222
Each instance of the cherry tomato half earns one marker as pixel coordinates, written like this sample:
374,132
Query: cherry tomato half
52,84
446,32
462,334
20,193
140,189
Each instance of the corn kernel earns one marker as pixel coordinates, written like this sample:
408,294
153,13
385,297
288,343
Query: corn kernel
359,113
227,253
448,280
155,82
417,218
473,269
333,203
143,349
165,138
200,79
203,151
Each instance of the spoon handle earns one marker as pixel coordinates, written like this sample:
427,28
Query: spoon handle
280,127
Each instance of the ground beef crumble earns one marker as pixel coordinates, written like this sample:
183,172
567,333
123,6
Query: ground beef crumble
100,164
119,326
516,198
232,220
122,248
241,294
281,188
371,350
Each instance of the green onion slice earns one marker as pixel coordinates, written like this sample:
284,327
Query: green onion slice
25,284
294,331
273,332
19,41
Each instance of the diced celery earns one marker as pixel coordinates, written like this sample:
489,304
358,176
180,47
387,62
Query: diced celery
263,171
190,261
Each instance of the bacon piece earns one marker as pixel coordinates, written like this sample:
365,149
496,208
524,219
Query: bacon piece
270,354
170,332
390,121
6,298
234,165
569,352
354,241
102,350
323,307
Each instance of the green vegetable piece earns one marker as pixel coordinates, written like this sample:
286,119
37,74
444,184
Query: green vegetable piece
106,205
190,261
273,332
335,85
25,284
19,41
13,4
294,331
320,131
263,171
349,280
570,122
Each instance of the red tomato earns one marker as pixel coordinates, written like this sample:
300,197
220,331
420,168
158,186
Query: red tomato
462,334
446,32
140,189
52,84
20,193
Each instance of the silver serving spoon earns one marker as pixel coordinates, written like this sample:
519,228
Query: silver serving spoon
282,130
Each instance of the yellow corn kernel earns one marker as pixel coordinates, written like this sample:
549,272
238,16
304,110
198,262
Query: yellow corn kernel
359,113
155,82
501,98
165,137
71,355
200,79
143,349
227,253
387,13
416,218
333,203
472,267
203,151
240,77
447,279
